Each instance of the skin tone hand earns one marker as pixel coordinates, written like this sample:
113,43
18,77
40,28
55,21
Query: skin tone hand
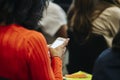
59,51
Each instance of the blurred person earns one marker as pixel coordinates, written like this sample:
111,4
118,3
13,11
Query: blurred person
24,53
54,22
53,25
107,66
92,24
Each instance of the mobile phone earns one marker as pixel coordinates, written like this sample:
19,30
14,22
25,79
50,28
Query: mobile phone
59,41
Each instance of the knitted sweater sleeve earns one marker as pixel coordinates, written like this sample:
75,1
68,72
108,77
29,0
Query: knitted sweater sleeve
40,65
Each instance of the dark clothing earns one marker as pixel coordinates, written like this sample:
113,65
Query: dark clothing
65,4
107,66
82,57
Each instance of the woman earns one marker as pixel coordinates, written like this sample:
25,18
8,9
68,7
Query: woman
89,23
24,54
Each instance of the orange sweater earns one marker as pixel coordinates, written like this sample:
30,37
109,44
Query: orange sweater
24,55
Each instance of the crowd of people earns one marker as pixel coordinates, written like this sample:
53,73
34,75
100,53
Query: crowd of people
29,27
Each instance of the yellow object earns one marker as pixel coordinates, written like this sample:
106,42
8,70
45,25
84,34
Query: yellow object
78,76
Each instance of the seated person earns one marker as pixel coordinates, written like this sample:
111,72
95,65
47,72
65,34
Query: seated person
24,53
107,66
91,28
53,23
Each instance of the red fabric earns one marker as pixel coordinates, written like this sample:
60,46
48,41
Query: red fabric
24,55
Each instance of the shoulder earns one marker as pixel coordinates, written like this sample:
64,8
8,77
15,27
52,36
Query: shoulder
27,41
108,56
34,36
110,14
104,54
104,57
112,11
113,8
34,43
24,35
108,21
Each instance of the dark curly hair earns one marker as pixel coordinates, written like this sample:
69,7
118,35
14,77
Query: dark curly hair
23,12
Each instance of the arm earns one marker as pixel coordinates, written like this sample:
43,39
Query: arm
39,61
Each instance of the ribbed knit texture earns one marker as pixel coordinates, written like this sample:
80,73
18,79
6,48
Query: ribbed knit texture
24,55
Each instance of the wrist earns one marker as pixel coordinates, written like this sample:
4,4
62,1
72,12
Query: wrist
55,57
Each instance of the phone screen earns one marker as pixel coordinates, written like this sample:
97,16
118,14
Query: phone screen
58,42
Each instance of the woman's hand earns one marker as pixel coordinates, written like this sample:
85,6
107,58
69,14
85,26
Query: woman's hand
60,50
